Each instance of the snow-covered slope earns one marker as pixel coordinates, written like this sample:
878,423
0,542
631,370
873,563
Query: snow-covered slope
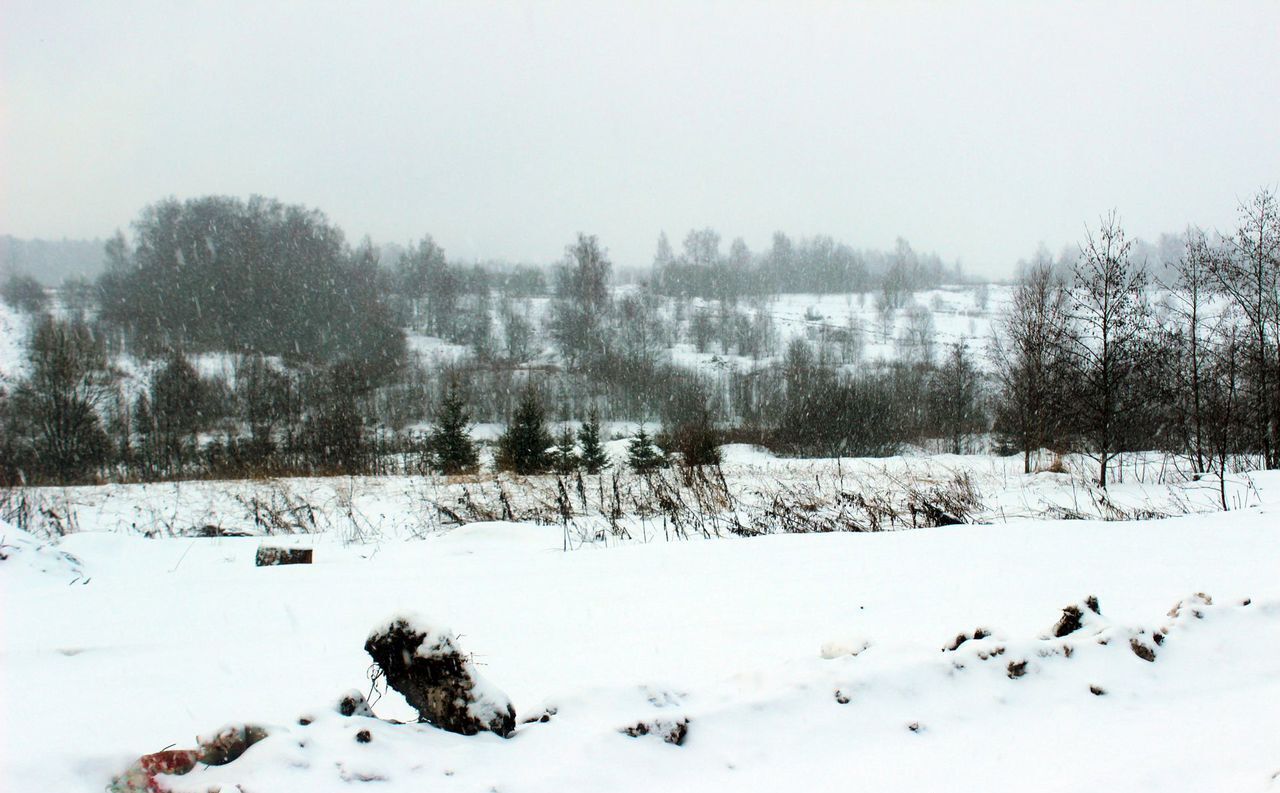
13,334
751,641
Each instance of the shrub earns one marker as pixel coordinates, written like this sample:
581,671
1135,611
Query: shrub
24,293
697,442
54,411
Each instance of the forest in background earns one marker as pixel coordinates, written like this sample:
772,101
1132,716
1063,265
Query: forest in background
1118,346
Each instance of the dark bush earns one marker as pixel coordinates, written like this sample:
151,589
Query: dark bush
24,293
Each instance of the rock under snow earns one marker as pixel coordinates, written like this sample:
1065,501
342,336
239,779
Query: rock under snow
426,666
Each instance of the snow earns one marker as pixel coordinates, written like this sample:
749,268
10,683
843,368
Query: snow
14,327
752,640
365,509
956,314
25,557
801,662
745,454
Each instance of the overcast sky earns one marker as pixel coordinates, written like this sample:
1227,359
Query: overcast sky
975,131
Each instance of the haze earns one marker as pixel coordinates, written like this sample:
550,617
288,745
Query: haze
976,131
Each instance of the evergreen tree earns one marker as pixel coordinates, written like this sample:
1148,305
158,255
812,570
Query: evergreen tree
523,447
450,448
144,425
594,458
565,457
642,455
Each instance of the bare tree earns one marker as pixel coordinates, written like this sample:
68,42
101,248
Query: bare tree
178,401
885,314
956,397
1107,343
916,342
1224,430
1249,274
57,406
1029,362
1189,301
582,303
517,329
267,401
430,286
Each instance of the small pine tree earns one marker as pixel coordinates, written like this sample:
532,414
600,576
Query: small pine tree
642,455
565,457
594,458
523,447
450,449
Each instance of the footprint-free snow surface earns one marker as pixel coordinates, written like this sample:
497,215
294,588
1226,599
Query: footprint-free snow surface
910,661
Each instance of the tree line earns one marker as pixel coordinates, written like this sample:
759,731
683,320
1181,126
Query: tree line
1102,352
817,265
1099,357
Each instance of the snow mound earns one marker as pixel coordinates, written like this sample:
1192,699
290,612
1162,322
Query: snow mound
896,703
330,751
745,454
502,535
848,646
23,554
1082,632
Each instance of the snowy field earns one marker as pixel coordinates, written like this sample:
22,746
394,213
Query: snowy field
371,509
800,662
809,662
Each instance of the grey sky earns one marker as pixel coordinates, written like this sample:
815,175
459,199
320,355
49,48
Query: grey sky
972,130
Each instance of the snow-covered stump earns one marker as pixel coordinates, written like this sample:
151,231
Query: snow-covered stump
426,666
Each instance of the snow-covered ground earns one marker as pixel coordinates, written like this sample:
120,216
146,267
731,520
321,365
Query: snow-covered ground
13,337
377,508
959,317
804,662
